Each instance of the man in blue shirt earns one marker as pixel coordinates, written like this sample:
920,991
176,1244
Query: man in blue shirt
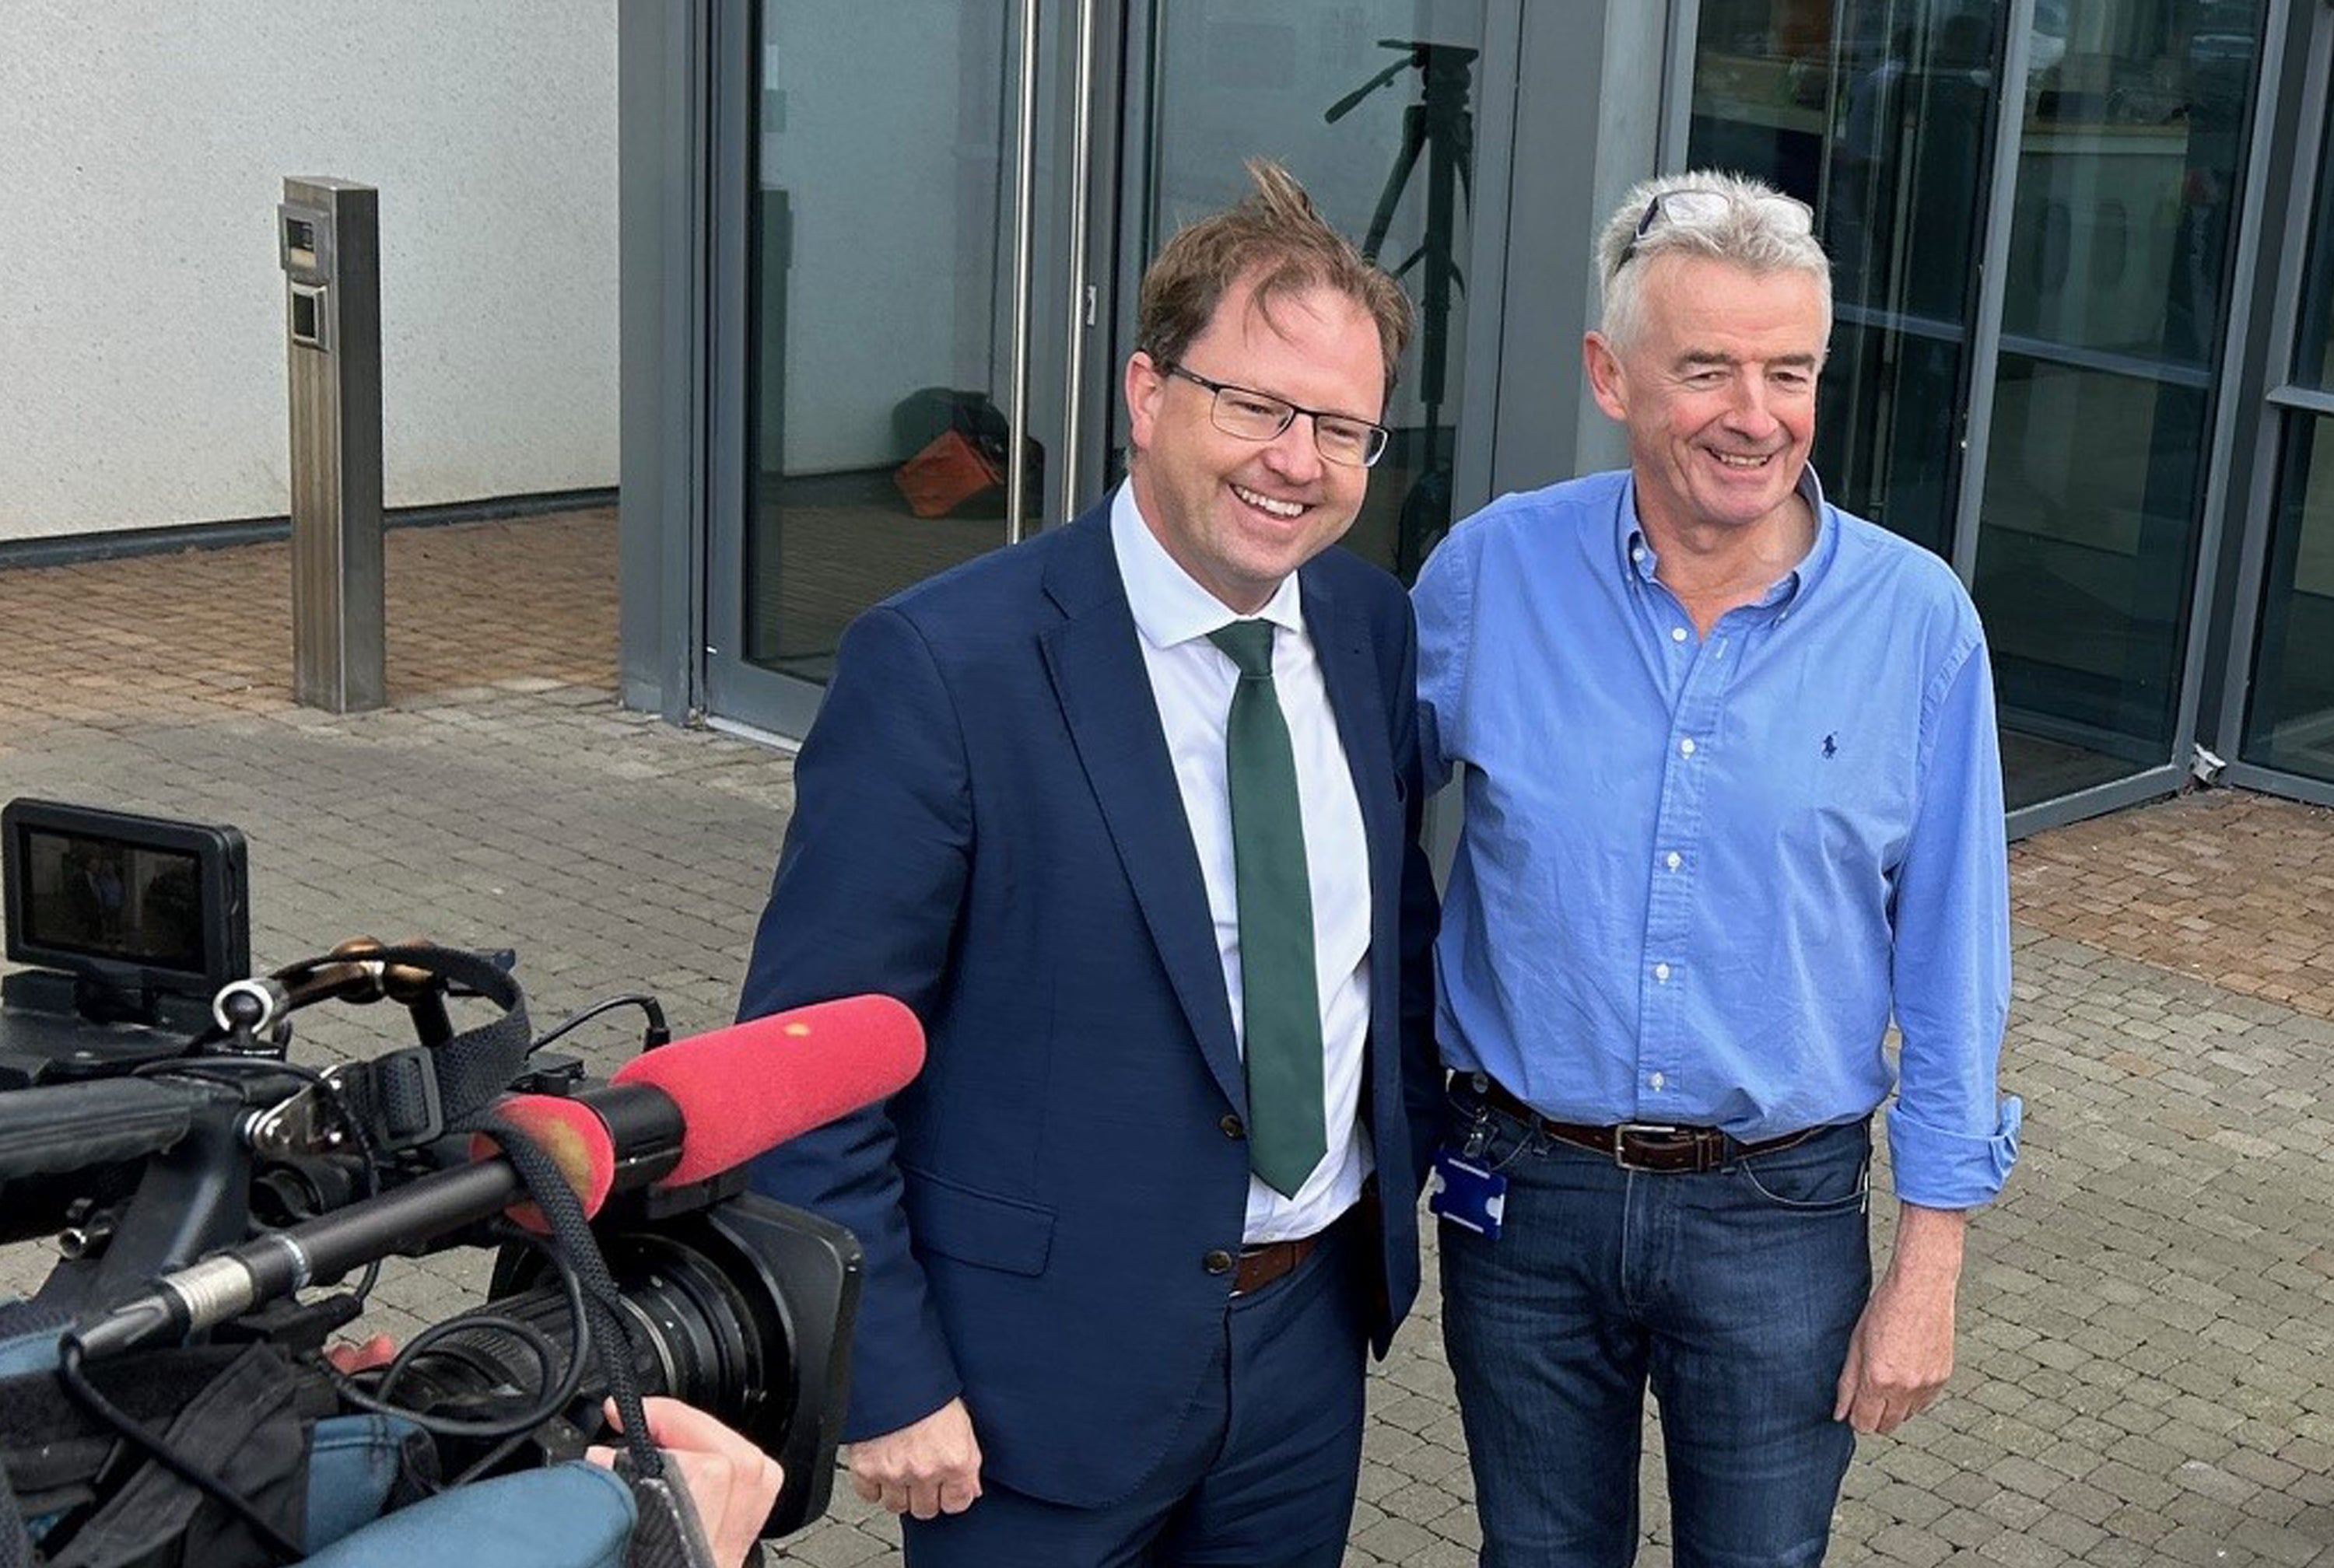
1732,803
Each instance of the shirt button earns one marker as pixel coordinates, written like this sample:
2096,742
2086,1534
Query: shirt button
1217,1261
1674,860
1677,634
1233,1128
1655,1080
1662,973
1638,553
1685,747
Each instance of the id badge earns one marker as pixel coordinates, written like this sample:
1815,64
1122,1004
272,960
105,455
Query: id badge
1467,1194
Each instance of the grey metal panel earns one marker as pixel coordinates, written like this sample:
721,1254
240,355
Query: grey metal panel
2154,783
2302,400
2270,780
1586,129
661,118
1677,82
1489,216
1986,334
332,371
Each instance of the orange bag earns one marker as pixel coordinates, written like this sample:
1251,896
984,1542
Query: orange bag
949,472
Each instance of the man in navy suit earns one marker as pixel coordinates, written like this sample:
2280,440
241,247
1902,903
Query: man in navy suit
1128,814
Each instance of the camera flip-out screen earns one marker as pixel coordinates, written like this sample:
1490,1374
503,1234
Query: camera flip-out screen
126,900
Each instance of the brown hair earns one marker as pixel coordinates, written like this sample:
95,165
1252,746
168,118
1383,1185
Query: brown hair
1275,234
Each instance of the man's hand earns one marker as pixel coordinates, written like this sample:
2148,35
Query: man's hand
730,1483
1902,1351
349,1359
926,1467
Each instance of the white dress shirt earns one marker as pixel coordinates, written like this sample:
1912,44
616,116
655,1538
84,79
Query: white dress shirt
1192,682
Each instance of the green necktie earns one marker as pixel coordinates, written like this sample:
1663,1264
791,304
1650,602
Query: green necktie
1279,1003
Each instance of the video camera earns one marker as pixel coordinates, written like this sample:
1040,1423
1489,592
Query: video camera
197,1178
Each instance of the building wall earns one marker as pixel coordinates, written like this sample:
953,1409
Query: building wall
143,149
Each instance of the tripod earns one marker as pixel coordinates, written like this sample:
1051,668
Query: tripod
1442,126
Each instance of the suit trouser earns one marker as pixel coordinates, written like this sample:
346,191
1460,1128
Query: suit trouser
1260,1473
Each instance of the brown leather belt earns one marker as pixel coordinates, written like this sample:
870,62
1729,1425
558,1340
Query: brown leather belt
1638,1145
1267,1261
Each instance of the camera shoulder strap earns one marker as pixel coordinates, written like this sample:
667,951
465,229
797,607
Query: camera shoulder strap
413,1096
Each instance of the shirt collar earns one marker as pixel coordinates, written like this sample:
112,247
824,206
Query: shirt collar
1169,607
1638,557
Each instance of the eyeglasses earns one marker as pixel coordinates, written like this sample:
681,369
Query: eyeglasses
1699,207
1260,417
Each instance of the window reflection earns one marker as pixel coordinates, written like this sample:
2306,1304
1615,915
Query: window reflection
2128,174
1371,105
1879,114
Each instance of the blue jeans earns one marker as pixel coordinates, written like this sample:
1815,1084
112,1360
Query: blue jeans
1733,1292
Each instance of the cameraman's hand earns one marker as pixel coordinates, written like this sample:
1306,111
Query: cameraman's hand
926,1467
349,1359
731,1483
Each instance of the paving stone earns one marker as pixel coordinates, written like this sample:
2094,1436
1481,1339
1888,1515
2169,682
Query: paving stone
2147,1356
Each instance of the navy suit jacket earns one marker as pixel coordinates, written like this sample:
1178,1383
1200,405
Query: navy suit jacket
986,826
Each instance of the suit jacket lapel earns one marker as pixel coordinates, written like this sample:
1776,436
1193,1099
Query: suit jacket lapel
1098,676
1349,671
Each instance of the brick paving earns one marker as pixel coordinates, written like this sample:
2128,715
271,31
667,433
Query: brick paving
2147,1352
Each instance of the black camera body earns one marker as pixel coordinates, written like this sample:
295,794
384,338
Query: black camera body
151,1118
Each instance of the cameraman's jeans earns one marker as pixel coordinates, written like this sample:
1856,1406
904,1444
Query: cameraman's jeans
1733,1291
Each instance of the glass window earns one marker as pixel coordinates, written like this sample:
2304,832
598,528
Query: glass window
1370,103
879,353
1879,115
2290,724
2120,262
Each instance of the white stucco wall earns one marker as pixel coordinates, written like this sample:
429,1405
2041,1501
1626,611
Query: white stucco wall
143,145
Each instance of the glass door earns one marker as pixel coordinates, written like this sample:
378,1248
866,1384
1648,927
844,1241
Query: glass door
2278,729
905,321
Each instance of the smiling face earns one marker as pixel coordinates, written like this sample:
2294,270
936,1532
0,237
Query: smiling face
1239,515
1717,388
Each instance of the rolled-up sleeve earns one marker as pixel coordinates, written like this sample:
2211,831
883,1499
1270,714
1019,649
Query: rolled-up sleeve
1951,1137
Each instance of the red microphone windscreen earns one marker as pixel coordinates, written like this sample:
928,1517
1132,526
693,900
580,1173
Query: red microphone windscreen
746,1088
575,1137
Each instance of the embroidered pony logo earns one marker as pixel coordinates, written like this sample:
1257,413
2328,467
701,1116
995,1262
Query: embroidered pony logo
1831,747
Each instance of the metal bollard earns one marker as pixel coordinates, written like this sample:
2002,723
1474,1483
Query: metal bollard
328,233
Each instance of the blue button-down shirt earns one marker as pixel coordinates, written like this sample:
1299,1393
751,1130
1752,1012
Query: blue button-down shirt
1696,877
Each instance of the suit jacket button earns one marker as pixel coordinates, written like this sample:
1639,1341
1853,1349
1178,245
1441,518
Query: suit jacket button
1232,1126
1217,1261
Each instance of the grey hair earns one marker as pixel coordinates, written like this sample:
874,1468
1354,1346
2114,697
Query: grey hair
1752,235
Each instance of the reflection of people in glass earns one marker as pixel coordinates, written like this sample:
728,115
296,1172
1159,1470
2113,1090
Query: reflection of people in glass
1900,225
95,886
2216,58
169,918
